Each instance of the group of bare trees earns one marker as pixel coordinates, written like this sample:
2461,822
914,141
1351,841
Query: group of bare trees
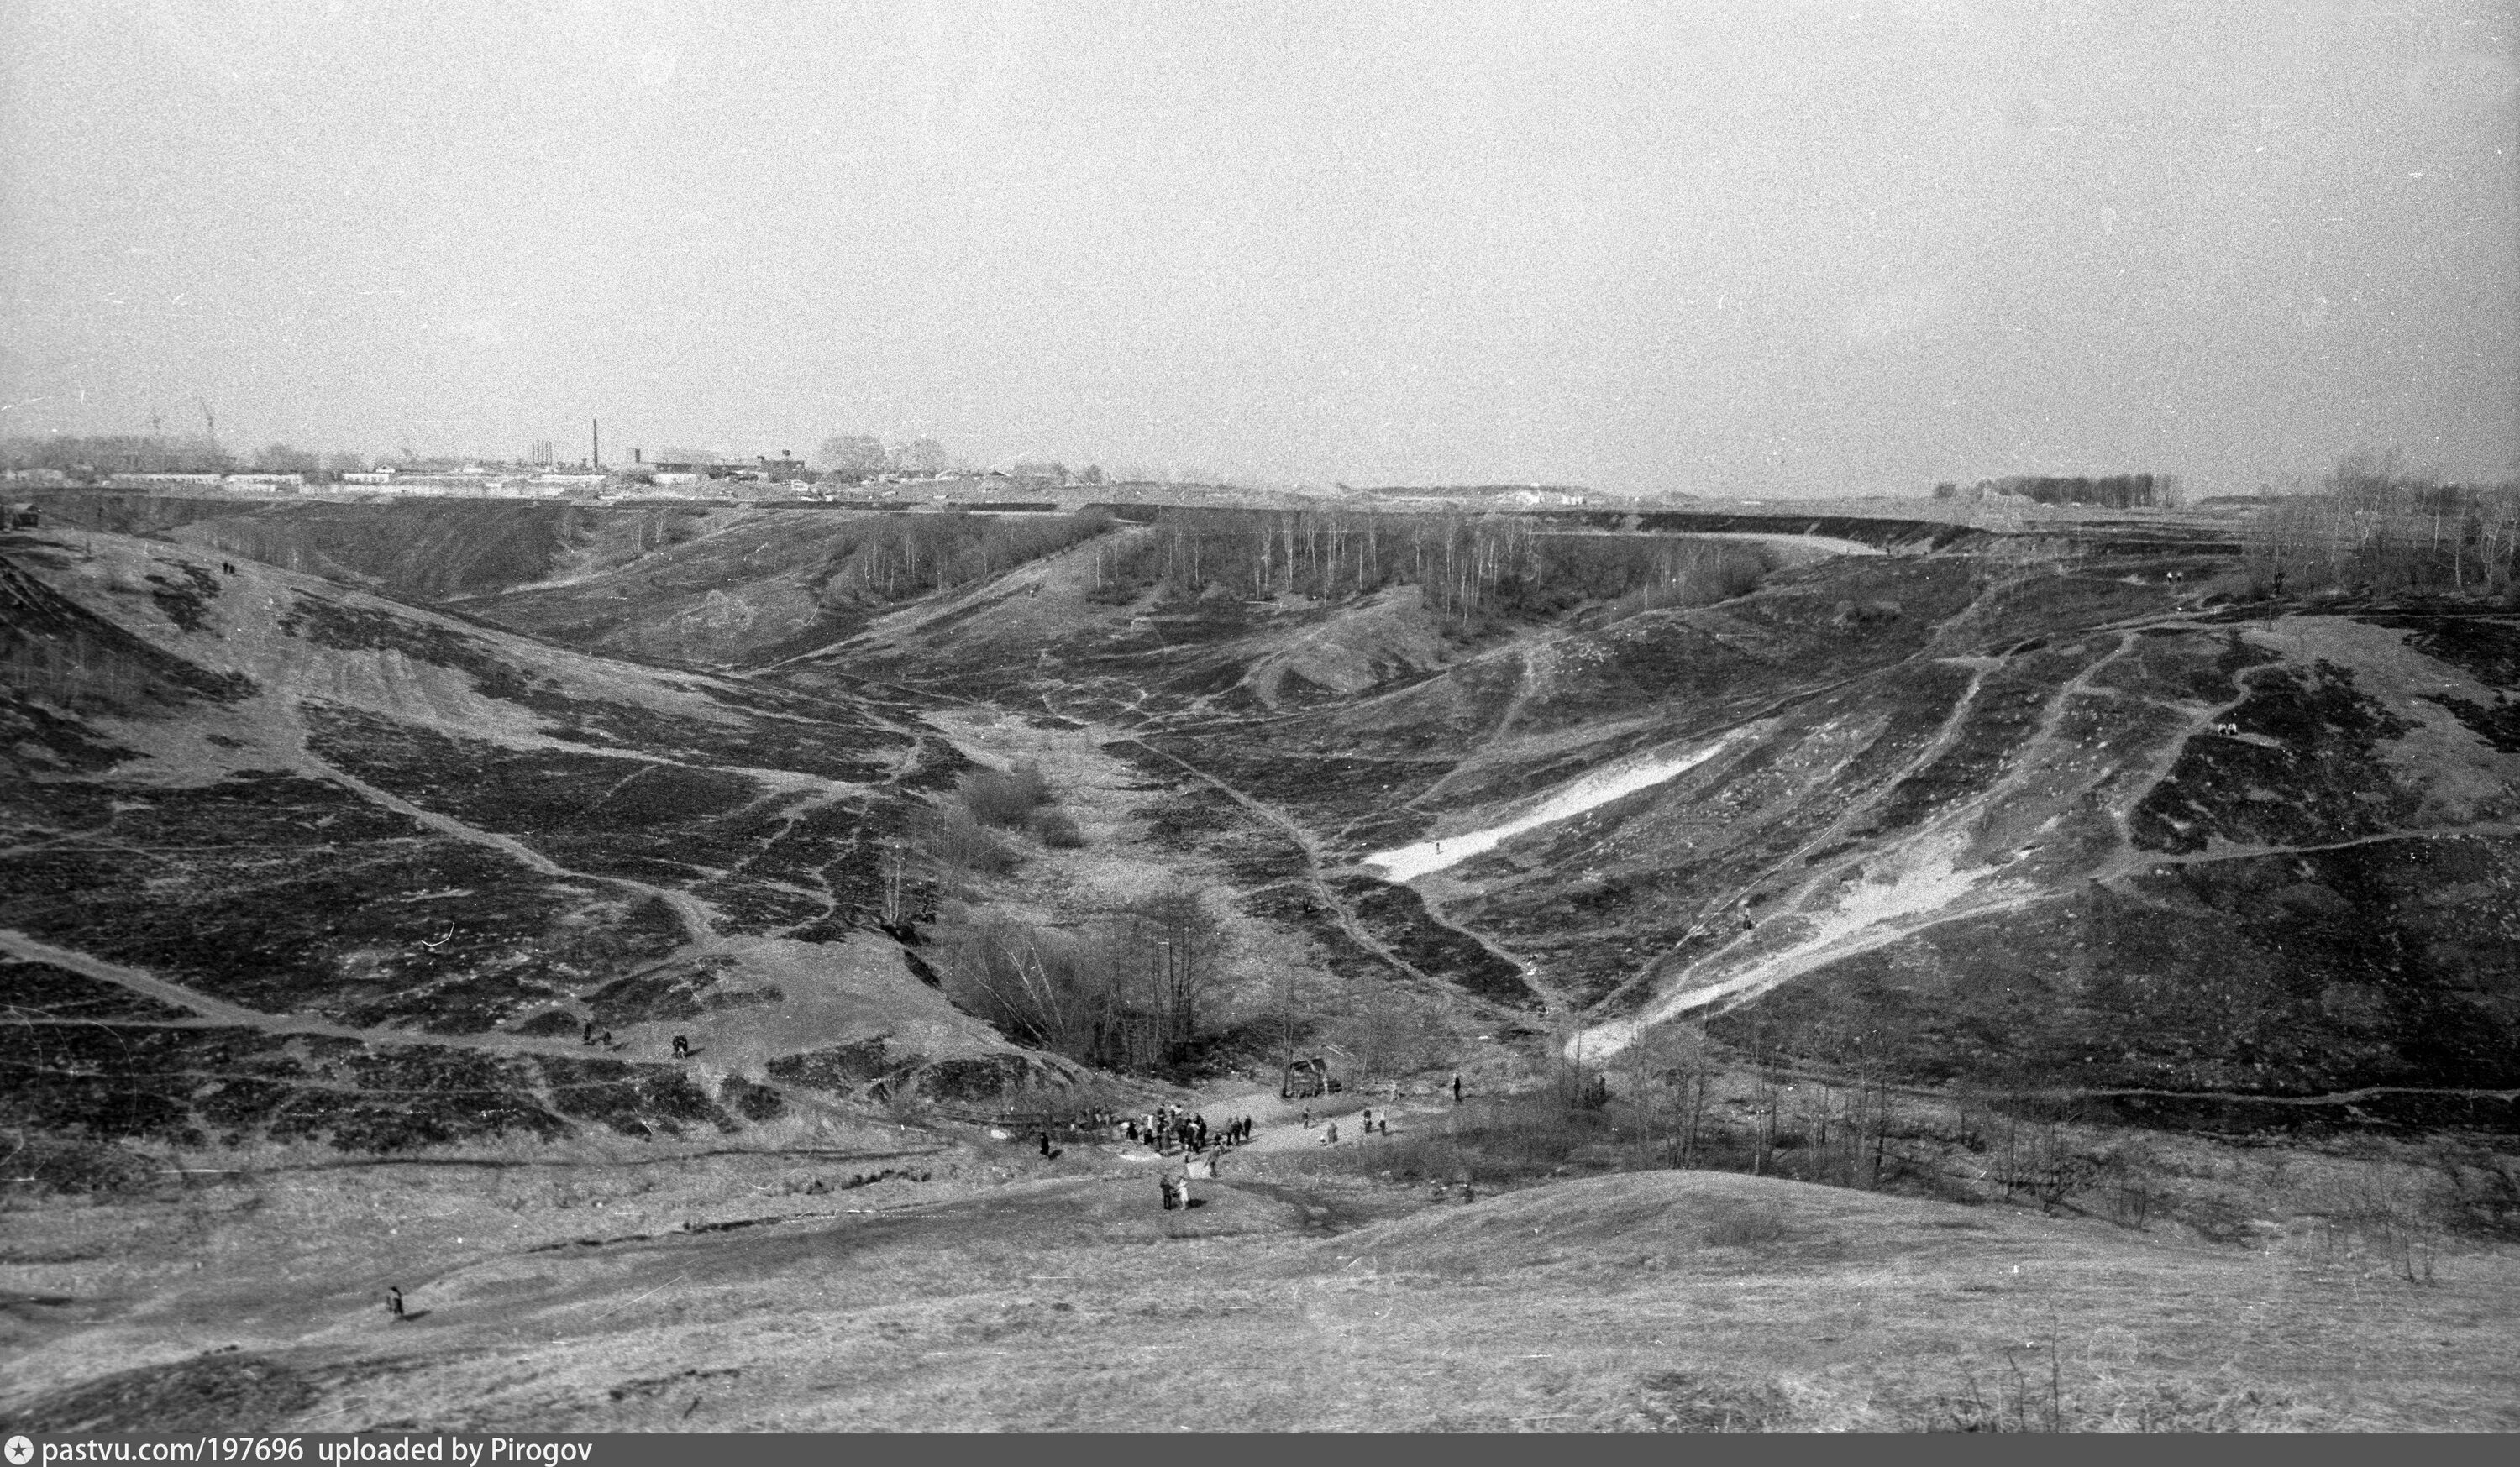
895,556
71,670
857,455
1471,565
1134,993
133,453
2374,524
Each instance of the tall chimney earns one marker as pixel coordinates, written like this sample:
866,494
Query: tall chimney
595,430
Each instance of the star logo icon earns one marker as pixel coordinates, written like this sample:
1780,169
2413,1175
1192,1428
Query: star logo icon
20,1451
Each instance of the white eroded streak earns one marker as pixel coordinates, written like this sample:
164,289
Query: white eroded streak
1600,788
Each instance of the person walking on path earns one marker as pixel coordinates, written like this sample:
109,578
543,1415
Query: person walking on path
1456,1089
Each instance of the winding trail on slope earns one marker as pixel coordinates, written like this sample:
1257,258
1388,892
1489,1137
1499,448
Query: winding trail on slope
219,1013
697,917
1894,918
1347,920
1949,829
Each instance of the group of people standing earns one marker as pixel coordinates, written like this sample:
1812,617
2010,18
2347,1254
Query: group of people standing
1171,1127
1373,1121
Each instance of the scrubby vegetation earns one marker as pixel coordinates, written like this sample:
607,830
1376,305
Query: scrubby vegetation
1471,566
1056,829
1682,1101
2378,527
1006,798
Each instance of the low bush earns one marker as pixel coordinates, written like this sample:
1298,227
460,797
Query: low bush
1005,798
1743,1227
1057,829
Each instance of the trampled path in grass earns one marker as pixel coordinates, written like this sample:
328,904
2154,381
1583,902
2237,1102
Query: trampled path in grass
218,1013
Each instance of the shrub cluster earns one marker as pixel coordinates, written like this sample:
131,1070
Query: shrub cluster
1005,798
1057,829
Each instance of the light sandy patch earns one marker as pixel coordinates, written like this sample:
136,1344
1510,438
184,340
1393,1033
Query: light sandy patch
2463,778
1407,863
1937,881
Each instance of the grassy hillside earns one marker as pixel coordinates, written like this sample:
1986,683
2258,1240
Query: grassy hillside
728,1296
286,861
1905,975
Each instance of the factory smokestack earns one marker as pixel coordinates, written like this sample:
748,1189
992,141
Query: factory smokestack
595,431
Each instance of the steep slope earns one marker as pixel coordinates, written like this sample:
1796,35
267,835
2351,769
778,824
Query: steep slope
2025,809
286,858
2023,813
427,549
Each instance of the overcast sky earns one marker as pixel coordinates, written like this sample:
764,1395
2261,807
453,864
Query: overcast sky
1758,248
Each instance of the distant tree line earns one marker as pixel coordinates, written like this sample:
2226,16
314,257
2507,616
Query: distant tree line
2120,491
1471,566
2372,524
852,455
97,457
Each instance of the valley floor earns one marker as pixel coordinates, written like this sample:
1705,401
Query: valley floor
733,1293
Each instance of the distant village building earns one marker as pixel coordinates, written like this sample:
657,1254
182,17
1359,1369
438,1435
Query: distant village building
22,516
157,482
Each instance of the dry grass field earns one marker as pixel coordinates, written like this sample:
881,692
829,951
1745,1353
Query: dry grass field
1303,1292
